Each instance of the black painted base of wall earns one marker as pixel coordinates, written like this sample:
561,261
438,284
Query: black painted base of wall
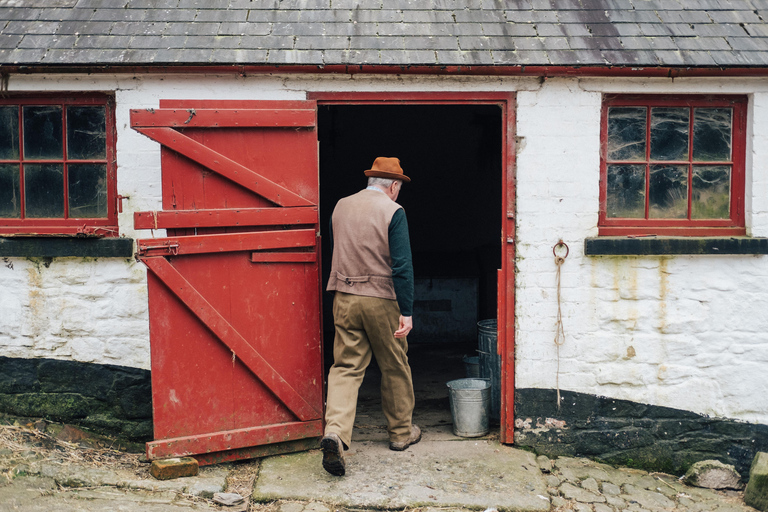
631,434
111,400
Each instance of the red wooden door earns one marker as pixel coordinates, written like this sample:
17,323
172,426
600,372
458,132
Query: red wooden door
234,289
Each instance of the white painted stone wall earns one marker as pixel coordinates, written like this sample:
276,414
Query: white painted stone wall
685,332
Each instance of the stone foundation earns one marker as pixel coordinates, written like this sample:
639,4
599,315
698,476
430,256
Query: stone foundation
630,434
112,400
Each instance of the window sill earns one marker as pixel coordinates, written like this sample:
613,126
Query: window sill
661,245
60,247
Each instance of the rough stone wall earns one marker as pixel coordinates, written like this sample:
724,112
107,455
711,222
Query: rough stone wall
80,309
627,433
112,399
685,332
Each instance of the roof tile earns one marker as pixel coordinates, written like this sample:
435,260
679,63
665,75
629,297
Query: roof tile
175,15
478,16
269,43
744,43
391,16
321,43
196,29
19,13
319,16
238,56
531,16
295,57
119,15
147,29
429,16
486,43
413,57
10,41
702,43
431,43
509,29
101,42
251,5
85,27
459,58
742,16
207,15
22,55
34,27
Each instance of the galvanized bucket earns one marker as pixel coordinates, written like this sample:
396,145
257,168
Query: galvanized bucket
472,367
470,404
490,362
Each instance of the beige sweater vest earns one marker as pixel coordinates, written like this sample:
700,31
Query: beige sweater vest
361,263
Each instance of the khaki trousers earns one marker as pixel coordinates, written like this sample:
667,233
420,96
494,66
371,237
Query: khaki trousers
366,325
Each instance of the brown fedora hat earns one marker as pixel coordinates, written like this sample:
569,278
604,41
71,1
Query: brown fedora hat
386,167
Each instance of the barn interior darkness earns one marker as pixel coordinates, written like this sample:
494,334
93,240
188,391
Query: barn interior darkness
453,155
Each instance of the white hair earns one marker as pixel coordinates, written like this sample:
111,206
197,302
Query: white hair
381,182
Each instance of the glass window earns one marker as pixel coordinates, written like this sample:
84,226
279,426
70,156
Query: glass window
56,176
671,164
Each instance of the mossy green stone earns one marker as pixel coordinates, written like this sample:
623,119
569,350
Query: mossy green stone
756,494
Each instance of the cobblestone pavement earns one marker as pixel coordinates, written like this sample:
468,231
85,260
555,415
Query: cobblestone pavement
586,486
39,472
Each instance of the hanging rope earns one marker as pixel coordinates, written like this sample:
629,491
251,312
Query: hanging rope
559,332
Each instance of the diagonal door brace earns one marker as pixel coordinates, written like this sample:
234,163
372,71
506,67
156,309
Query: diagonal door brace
228,335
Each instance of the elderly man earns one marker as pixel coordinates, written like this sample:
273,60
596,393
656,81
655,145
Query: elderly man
372,275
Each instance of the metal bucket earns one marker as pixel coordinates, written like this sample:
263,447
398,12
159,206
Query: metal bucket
470,404
472,367
490,362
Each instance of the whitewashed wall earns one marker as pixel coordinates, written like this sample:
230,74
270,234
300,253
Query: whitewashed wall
685,332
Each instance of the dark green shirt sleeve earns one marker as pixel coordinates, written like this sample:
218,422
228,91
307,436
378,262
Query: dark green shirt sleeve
402,262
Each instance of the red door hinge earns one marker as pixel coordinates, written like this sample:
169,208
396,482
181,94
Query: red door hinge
120,202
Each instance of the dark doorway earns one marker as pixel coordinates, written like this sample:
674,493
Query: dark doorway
453,154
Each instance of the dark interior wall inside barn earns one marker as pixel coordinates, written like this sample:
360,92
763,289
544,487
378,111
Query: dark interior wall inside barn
453,154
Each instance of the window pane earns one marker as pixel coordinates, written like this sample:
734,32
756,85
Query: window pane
86,132
10,196
44,190
42,133
87,190
711,192
712,134
669,133
9,132
626,133
626,191
668,196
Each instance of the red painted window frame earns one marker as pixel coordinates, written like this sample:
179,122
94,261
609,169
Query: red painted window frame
734,226
67,226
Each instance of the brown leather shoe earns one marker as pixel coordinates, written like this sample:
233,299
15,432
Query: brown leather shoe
333,454
414,438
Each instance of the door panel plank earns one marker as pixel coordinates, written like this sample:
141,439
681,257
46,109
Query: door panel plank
224,166
223,118
228,242
233,439
228,335
242,217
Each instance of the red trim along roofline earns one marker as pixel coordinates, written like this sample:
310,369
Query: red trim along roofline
540,71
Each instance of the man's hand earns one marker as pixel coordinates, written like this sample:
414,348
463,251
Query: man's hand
406,324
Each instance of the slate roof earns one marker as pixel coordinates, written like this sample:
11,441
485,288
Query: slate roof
435,33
